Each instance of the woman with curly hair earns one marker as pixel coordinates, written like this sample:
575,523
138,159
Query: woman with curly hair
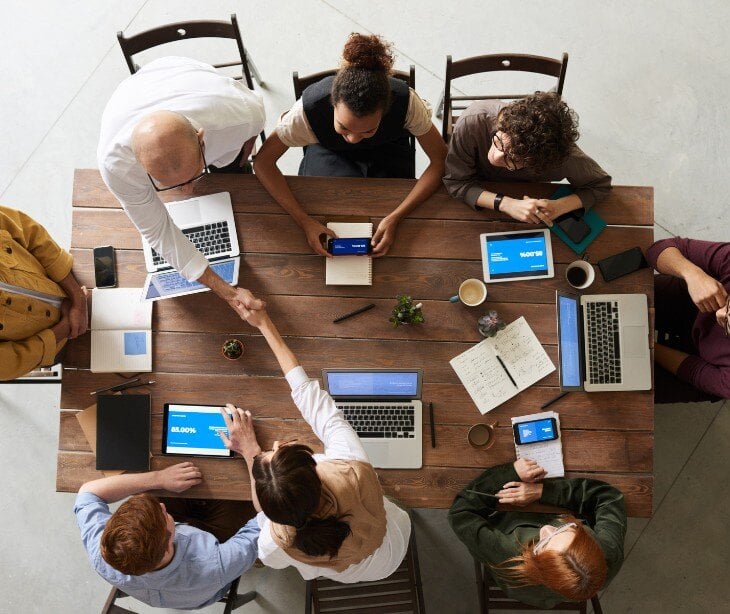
355,124
542,559
531,139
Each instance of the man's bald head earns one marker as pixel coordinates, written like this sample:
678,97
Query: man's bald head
166,144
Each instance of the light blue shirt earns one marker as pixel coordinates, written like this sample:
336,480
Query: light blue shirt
200,573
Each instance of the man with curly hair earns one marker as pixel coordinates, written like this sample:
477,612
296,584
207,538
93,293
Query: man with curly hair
531,139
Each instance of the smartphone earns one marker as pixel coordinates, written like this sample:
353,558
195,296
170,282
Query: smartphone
349,247
105,269
535,431
574,226
622,264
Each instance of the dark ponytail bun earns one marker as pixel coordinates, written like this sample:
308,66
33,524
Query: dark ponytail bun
322,536
362,82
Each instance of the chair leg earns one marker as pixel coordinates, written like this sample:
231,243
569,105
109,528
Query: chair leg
596,605
440,108
481,587
308,597
242,600
254,71
416,568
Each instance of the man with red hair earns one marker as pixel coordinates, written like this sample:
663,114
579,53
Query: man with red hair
142,551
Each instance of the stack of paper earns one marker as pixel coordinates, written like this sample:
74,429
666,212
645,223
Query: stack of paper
499,367
121,331
547,454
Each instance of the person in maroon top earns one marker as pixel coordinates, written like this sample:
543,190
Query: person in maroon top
692,297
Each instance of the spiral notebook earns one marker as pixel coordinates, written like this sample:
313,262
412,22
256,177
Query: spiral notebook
350,270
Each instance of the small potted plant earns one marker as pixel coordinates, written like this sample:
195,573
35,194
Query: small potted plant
232,349
489,324
405,312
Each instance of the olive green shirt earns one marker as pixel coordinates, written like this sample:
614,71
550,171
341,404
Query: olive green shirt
494,539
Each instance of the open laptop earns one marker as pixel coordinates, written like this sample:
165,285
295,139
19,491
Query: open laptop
603,342
384,407
209,224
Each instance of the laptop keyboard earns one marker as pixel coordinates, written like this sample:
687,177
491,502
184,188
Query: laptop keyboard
383,421
210,239
602,330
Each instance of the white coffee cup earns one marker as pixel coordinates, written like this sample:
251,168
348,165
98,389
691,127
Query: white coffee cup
472,292
582,274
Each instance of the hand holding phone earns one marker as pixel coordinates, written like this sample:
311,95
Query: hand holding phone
105,267
349,246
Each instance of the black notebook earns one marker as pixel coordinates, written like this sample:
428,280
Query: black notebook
123,432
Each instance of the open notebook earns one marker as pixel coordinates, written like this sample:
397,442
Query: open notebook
121,331
350,270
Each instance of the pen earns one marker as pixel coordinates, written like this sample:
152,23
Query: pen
353,313
551,401
433,428
114,387
135,385
511,379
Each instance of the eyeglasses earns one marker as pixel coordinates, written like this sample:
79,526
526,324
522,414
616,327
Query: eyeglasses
544,541
726,328
509,159
206,171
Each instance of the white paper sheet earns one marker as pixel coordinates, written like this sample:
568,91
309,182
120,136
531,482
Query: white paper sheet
350,270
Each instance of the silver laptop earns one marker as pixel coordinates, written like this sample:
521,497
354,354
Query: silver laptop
603,342
384,407
209,224
207,221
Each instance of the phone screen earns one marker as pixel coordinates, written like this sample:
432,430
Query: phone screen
535,431
348,247
622,264
104,267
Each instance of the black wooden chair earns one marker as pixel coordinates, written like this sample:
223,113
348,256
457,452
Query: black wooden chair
183,30
492,598
492,63
232,600
399,592
302,83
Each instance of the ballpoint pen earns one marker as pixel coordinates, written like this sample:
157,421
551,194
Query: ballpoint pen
114,387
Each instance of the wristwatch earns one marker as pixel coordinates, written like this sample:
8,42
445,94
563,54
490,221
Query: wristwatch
498,201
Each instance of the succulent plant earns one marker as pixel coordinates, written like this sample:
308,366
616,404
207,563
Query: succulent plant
405,312
490,323
232,349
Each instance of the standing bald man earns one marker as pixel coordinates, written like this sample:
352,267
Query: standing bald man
165,126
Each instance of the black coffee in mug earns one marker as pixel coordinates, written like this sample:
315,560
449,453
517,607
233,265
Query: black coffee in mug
577,276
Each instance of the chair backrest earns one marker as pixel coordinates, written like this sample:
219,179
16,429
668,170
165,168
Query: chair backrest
399,592
183,30
492,598
302,83
494,63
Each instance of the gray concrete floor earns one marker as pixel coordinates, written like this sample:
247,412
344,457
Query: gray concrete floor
650,82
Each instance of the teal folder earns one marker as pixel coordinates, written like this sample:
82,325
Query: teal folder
595,221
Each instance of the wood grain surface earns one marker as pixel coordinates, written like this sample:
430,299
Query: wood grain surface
607,436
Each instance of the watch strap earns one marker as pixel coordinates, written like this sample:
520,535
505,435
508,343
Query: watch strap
498,201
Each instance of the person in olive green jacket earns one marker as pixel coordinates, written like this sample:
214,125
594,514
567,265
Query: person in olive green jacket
542,559
41,303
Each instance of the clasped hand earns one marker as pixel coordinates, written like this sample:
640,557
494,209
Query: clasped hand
706,292
529,489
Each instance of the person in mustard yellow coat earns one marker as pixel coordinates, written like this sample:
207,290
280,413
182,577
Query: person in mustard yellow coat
41,303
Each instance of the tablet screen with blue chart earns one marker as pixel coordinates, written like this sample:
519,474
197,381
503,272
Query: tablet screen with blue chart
193,430
517,255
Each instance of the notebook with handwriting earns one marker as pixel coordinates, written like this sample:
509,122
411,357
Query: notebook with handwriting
350,270
490,382
121,331
547,454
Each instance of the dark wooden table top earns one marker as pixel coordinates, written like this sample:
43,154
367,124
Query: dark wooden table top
607,436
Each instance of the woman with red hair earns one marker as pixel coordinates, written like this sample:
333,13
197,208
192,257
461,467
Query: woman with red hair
542,559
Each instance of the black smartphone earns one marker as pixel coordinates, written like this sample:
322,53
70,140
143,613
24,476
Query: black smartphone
622,264
535,431
573,225
105,267
349,247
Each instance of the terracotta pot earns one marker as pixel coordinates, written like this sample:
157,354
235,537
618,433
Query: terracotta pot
240,347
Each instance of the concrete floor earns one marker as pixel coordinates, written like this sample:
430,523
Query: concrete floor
650,82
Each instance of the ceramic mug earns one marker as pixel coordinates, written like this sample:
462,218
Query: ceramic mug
481,436
472,292
580,274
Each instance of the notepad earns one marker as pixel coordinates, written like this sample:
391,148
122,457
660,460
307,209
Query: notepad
547,454
123,432
350,270
487,380
121,331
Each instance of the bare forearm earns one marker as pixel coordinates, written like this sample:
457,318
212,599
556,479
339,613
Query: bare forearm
72,288
668,358
254,496
117,487
285,357
217,285
569,203
672,262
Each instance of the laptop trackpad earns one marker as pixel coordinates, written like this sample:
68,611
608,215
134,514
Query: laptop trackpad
635,341
186,214
379,454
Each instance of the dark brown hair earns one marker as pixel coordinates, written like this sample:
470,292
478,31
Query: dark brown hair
362,81
135,538
577,574
542,130
288,489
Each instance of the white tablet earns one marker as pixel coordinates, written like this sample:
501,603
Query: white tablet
515,255
192,430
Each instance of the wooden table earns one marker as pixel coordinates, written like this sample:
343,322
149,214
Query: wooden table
608,436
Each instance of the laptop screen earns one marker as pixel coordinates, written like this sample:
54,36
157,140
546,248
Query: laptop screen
570,354
373,383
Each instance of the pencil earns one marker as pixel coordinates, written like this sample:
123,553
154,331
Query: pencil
433,428
353,313
511,379
557,398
